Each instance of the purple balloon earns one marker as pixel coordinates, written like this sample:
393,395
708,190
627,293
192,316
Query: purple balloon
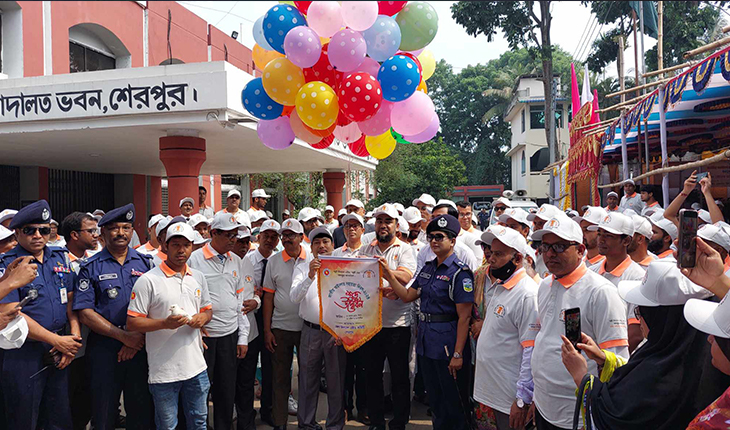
427,134
302,46
379,123
371,67
347,50
276,133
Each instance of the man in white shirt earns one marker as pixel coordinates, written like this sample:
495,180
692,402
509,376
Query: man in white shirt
612,202
233,201
200,224
258,201
631,199
591,218
317,347
649,194
203,208
187,206
282,324
465,217
602,313
425,204
539,218
227,333
170,304
329,218
309,218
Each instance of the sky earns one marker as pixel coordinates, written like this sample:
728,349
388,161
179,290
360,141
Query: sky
571,26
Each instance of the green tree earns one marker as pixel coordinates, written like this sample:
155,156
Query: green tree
413,169
301,188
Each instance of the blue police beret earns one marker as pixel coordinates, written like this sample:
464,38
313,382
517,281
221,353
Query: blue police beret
122,214
444,223
35,213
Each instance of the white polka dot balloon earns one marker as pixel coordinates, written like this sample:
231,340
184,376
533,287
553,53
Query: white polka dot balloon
302,46
347,50
359,15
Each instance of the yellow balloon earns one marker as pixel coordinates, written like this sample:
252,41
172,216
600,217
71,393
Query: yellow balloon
380,146
290,3
422,87
428,63
317,105
261,57
282,80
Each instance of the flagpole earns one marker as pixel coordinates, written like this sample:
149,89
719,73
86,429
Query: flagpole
641,30
663,142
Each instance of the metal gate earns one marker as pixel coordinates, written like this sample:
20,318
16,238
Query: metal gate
9,187
70,191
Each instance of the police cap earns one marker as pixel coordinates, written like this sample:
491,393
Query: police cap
445,223
35,213
122,214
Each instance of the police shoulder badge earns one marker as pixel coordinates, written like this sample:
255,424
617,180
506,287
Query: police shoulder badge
83,285
442,222
468,285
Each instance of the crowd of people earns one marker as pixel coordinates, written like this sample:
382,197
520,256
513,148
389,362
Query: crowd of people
214,307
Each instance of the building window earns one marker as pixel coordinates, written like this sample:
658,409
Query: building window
524,163
537,116
523,120
539,160
84,59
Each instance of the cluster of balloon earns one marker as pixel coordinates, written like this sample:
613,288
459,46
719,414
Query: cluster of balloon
354,71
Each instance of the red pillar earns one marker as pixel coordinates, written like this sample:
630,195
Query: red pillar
139,186
217,190
43,183
182,156
155,195
334,182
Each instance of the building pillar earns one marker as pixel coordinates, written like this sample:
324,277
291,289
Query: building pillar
182,156
43,183
139,187
155,195
334,183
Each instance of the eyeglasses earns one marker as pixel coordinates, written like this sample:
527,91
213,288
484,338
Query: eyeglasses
289,235
436,237
229,234
557,248
91,231
30,231
637,313
235,197
499,208
465,215
352,226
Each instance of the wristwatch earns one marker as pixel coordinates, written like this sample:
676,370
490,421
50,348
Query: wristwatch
457,354
520,403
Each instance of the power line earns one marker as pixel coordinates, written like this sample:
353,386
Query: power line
587,42
217,10
580,40
229,11
600,28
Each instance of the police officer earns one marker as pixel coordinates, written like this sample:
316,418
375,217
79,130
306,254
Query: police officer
117,359
445,287
34,377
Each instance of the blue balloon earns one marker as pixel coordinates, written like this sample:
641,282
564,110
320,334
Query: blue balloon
258,34
383,38
256,101
277,23
399,78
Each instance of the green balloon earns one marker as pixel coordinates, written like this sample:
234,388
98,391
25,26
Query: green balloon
418,24
398,137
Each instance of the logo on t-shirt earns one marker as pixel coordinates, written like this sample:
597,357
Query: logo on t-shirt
134,295
197,292
499,310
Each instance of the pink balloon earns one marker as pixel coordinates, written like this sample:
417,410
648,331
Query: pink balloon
302,46
369,66
412,115
276,133
347,50
301,131
325,17
359,15
427,134
347,133
380,122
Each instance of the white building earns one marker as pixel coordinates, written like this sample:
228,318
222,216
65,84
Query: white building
529,150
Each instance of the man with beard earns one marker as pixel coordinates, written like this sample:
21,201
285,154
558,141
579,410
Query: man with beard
612,202
664,234
117,357
649,196
631,200
258,201
638,248
415,223
591,217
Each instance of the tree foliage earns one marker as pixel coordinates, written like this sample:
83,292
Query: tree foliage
301,188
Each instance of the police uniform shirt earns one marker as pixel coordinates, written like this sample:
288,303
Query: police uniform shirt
278,281
225,286
462,252
632,201
602,317
628,270
510,325
399,255
106,286
75,264
54,282
172,355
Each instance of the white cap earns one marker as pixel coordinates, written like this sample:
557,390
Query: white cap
504,200
509,237
260,193
7,214
561,226
187,199
198,239
629,181
446,202
243,233
14,334
269,224
269,214
355,202
704,216
593,215
234,192
612,193
616,223
354,216
629,212
96,212
514,213
572,214
243,218
709,317
258,216
319,215
162,224
369,214
292,225
665,225
154,219
399,207
663,285
426,199
530,251
329,208
545,212
715,234
642,226
225,221
412,215
386,209
652,210
371,221
5,233
196,219
286,212
307,214
341,212
403,226
320,230
180,229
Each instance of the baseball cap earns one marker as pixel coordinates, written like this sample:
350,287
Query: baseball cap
329,208
6,214
572,213
593,215
709,317
307,214
665,225
242,218
234,192
198,239
196,219
5,233
320,230
260,193
154,219
426,199
341,212
403,226
187,199
369,214
180,229
663,285
286,212
225,221
162,224
616,223
385,209
354,216
292,225
704,216
629,181
412,215
258,216
715,234
561,226
355,202
509,237
514,213
399,207
504,200
612,193
545,212
642,226
446,202
243,232
269,224
319,215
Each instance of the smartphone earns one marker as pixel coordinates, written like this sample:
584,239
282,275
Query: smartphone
687,232
572,325
701,176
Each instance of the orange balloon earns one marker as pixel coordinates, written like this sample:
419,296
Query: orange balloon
287,110
261,57
422,87
301,130
324,133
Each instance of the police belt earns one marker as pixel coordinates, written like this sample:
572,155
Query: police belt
438,317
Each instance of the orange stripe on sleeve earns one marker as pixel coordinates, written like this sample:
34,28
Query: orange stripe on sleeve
203,309
269,290
405,269
633,321
614,343
136,314
528,343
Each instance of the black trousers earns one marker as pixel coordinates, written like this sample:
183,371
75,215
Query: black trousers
393,344
355,383
543,424
448,398
222,365
79,392
245,377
